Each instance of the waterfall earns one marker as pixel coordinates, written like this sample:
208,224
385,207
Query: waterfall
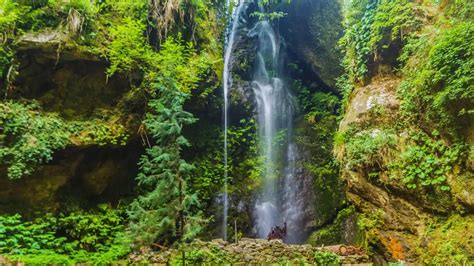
275,112
227,82
293,198
280,199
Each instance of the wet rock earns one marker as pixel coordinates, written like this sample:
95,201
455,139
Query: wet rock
381,93
312,30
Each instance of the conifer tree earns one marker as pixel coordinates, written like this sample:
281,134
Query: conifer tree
165,211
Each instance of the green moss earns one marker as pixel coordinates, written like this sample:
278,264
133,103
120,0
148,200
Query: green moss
334,232
448,241
371,28
369,225
440,94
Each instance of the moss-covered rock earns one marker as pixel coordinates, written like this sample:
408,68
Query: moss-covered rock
342,230
408,174
98,116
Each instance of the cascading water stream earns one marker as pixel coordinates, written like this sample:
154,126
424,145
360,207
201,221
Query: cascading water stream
293,200
227,82
280,199
275,112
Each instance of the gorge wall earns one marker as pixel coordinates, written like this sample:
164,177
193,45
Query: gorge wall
406,149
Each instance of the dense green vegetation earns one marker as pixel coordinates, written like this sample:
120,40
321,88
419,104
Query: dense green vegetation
434,99
94,237
29,137
423,148
164,66
159,85
163,173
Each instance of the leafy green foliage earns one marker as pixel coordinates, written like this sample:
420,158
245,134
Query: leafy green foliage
427,162
321,114
369,225
267,3
333,233
392,20
28,138
180,63
121,32
315,135
423,161
268,16
442,90
19,237
128,49
368,148
245,168
208,175
161,213
371,27
23,16
429,46
95,237
10,15
92,231
326,258
451,241
269,10
98,132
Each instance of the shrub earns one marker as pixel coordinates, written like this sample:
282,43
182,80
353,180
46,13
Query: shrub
427,161
326,258
441,91
28,137
371,27
95,237
128,50
369,147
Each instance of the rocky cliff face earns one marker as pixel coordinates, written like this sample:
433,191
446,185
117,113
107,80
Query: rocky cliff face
401,223
384,158
73,84
312,30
